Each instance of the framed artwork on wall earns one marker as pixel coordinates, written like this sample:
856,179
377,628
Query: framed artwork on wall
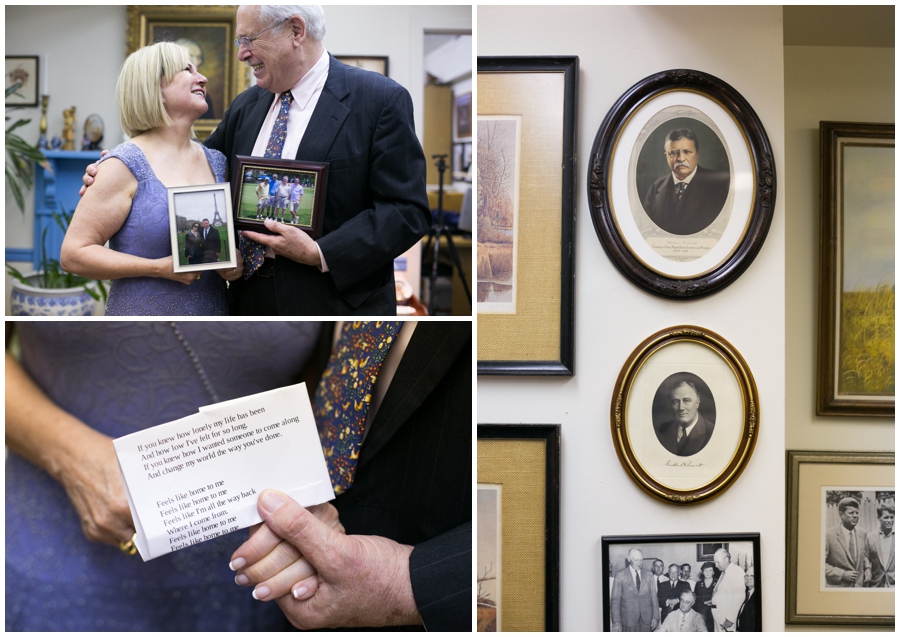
681,184
525,196
840,538
376,63
682,583
517,578
856,371
22,71
685,415
208,32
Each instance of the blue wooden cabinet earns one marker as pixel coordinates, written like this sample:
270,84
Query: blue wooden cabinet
54,192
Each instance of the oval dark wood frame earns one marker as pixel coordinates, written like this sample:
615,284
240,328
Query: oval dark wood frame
762,206
750,429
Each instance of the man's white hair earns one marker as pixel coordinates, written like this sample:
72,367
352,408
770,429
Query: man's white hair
313,14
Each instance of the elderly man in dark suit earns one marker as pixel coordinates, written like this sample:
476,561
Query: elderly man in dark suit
407,557
844,547
690,197
361,123
669,593
632,604
688,432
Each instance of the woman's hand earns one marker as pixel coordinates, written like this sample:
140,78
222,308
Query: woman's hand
235,273
162,268
94,485
275,567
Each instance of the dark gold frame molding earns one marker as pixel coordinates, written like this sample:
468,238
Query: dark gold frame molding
749,417
828,403
792,541
140,18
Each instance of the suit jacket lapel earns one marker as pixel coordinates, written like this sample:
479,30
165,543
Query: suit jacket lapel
256,115
328,116
431,351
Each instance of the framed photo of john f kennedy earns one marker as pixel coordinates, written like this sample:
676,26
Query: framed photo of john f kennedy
208,33
669,583
685,415
201,228
840,538
681,184
284,190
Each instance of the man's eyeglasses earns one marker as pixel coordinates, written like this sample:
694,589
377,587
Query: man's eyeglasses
675,153
248,41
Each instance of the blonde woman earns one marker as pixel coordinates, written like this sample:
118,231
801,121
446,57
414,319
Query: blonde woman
160,95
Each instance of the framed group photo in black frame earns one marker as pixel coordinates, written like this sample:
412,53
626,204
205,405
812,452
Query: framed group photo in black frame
682,583
681,184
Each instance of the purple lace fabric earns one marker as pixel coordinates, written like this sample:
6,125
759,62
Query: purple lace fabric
145,233
119,377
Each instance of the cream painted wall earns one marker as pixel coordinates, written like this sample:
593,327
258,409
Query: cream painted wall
823,84
617,47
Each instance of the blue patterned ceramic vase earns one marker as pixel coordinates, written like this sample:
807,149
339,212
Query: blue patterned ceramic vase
31,300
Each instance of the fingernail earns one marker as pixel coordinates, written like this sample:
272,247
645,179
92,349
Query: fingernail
237,564
241,580
300,592
261,591
271,500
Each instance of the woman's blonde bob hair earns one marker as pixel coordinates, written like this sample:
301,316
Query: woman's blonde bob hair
139,89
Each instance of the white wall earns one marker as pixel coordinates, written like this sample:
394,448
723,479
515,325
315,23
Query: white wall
823,84
619,46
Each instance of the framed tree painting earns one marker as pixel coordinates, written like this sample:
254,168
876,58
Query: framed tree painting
856,371
681,184
526,132
208,32
517,577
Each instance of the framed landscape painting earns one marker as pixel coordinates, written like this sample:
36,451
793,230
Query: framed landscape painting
856,276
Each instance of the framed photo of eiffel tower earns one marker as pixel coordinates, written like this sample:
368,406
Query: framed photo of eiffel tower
201,228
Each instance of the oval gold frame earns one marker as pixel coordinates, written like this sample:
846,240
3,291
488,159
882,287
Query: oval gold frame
750,411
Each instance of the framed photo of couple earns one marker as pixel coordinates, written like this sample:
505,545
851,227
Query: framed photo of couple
681,184
201,228
840,538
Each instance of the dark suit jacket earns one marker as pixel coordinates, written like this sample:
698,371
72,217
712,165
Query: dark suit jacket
667,591
746,619
882,565
838,558
376,205
413,483
699,206
211,245
700,435
627,605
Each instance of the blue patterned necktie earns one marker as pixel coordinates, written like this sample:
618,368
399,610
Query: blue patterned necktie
253,253
681,187
345,392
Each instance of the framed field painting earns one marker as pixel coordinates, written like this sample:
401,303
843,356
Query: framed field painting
681,184
526,132
208,32
685,415
517,578
840,538
856,374
716,586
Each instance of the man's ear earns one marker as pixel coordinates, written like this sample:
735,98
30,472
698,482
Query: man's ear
298,27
